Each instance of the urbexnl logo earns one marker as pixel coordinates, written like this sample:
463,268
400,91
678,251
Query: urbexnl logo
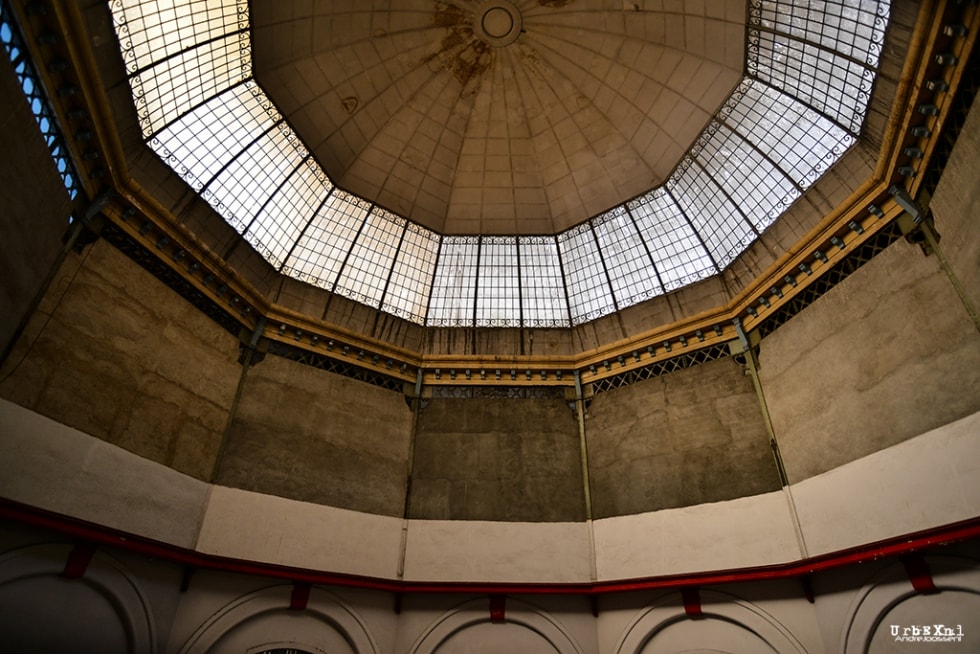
926,633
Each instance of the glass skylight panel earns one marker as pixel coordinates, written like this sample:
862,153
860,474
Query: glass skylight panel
152,30
762,191
854,29
542,285
498,297
804,143
721,226
180,54
678,254
589,296
323,247
454,285
831,84
630,269
277,227
411,279
366,271
244,186
823,53
210,136
174,86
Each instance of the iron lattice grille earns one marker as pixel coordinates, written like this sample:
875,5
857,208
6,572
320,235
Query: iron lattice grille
499,392
835,275
336,366
685,360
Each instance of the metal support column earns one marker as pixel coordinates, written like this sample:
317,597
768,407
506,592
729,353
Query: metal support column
917,220
932,241
752,367
416,405
586,481
247,359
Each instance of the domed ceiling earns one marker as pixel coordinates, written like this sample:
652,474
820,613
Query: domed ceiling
494,117
497,164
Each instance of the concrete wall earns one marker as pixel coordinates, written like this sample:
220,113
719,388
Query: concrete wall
540,552
497,459
689,437
34,206
956,206
894,491
886,355
890,352
112,351
319,437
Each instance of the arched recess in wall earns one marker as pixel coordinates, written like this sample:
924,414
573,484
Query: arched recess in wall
43,610
729,626
889,599
525,628
262,621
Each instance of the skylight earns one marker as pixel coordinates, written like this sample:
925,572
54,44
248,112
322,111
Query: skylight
810,67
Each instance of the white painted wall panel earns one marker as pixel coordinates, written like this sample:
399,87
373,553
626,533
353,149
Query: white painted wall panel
925,482
549,552
749,531
256,527
48,465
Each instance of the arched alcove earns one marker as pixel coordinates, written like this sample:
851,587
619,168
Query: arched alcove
99,608
468,628
262,620
727,623
889,601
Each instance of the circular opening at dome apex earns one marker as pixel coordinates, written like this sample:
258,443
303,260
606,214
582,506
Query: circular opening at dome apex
498,23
